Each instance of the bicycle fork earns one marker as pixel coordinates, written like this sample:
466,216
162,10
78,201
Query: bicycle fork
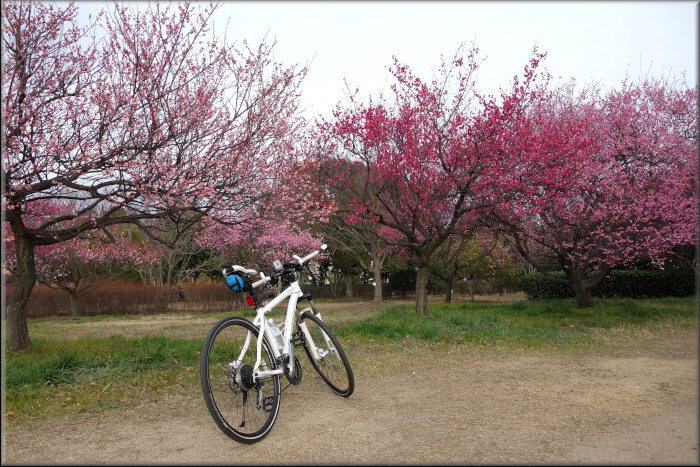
316,351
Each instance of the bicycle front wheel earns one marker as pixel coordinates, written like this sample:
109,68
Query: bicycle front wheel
243,408
330,361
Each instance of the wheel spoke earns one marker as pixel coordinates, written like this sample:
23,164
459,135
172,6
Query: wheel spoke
230,391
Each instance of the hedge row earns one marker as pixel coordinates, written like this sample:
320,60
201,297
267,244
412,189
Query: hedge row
119,298
635,283
125,298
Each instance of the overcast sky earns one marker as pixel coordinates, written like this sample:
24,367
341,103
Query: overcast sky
599,41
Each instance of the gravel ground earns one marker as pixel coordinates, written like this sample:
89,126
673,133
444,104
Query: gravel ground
422,405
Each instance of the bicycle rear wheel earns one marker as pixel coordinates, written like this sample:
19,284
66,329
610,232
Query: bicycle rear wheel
244,409
332,364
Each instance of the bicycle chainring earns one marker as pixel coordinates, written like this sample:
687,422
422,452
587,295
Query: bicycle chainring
296,377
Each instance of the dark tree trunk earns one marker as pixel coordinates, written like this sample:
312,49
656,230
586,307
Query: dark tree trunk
584,298
421,288
349,285
582,285
448,290
73,303
17,330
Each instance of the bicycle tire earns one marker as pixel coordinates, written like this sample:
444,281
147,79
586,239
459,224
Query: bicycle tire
334,369
230,395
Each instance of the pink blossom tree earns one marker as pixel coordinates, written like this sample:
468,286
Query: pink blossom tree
257,243
621,186
431,163
155,118
78,266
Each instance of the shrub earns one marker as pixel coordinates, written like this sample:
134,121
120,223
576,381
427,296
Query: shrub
636,283
403,280
632,283
484,286
537,286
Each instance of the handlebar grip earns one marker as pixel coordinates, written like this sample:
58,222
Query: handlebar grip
264,280
312,255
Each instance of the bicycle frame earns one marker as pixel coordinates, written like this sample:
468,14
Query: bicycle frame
293,293
241,381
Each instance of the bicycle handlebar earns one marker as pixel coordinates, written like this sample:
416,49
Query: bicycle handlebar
265,279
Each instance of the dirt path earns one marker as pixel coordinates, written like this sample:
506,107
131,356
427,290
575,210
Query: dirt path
425,405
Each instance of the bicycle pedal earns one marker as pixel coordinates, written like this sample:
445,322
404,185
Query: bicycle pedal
298,339
267,403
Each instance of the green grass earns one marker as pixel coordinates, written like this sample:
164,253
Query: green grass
544,323
83,376
87,359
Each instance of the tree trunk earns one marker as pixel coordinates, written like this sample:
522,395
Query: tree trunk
584,298
17,330
336,285
73,303
377,273
349,285
471,283
421,286
582,290
448,290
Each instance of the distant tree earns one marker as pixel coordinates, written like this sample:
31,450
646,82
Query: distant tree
458,257
361,242
347,265
498,268
78,266
180,258
154,118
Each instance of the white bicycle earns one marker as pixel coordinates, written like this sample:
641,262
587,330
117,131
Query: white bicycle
242,361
